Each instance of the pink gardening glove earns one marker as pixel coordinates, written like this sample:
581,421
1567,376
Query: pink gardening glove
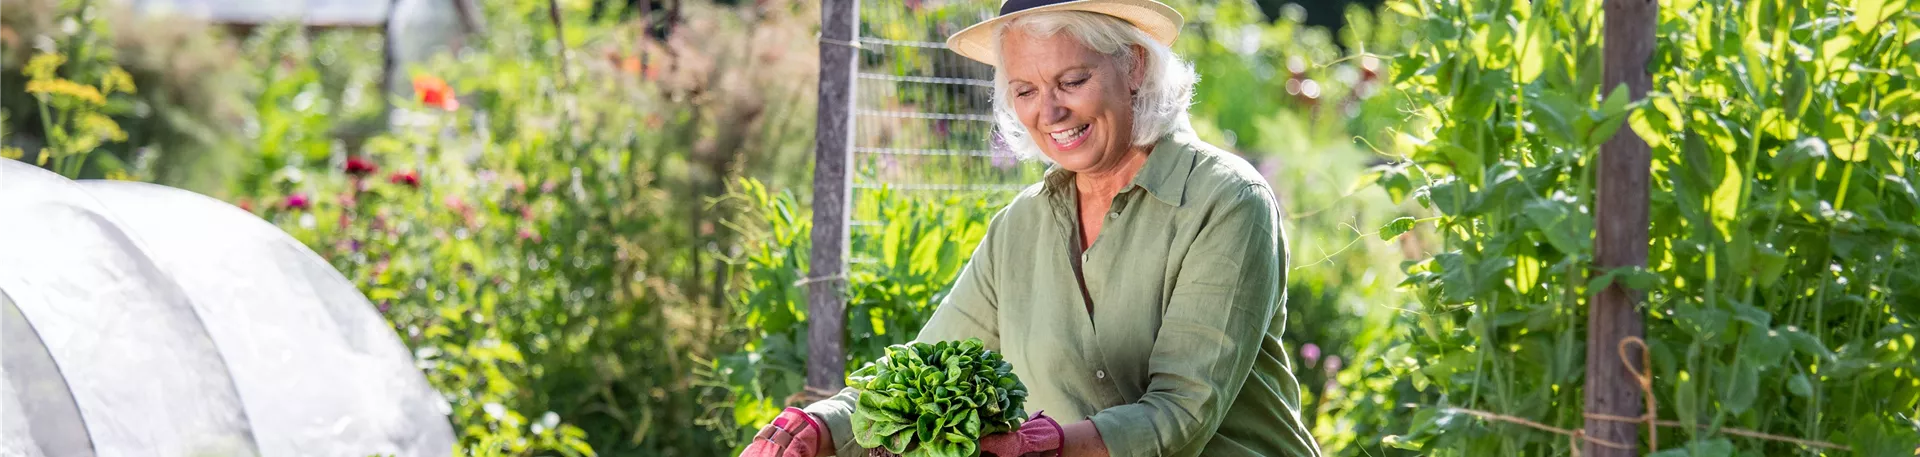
1039,435
793,434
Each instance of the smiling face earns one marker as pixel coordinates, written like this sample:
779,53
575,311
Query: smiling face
1075,102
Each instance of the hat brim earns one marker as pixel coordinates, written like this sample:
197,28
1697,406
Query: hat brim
1156,19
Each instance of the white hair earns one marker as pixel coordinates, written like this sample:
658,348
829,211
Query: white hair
1159,106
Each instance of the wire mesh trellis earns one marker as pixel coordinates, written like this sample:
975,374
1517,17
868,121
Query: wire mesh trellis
923,122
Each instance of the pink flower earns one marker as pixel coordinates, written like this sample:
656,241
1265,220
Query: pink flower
1310,353
360,166
529,234
407,178
297,201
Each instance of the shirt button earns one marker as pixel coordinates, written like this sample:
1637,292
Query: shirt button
1085,256
1101,374
1113,215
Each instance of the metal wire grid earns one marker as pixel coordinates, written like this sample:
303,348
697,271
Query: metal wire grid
923,120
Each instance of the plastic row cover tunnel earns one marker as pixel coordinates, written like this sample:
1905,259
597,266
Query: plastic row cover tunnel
138,319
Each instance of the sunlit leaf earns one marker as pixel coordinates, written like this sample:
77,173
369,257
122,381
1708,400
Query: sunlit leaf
1395,228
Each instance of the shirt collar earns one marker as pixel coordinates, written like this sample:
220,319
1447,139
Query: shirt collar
1165,174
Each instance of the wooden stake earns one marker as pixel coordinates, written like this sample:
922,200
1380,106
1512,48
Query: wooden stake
833,143
1620,238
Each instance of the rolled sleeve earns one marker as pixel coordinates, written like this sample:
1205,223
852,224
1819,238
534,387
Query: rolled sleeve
1224,299
968,311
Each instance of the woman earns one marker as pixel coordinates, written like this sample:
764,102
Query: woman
1136,290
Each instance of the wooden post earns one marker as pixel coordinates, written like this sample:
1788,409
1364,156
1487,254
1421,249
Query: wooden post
559,38
833,143
1620,238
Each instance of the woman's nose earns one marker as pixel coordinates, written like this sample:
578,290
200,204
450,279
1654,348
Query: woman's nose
1052,108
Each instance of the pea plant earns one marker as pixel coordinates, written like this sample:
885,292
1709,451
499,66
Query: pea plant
899,271
1782,288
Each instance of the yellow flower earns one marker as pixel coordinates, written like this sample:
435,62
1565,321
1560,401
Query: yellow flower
117,79
58,86
42,66
119,175
13,153
102,126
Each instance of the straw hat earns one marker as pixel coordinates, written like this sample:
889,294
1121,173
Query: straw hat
1157,19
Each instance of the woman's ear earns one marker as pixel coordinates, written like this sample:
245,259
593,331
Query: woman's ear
1139,76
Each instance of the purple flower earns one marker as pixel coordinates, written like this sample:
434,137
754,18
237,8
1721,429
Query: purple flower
1002,153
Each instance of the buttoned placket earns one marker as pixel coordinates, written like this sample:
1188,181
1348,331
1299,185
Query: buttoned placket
1089,279
1095,270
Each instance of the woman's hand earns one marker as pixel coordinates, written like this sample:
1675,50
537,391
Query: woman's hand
1041,434
793,434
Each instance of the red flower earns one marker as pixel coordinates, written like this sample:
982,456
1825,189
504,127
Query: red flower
407,178
360,166
297,201
435,92
246,205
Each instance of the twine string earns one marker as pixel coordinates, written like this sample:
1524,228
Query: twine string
1649,419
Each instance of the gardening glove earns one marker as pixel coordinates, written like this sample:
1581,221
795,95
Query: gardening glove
1038,435
793,434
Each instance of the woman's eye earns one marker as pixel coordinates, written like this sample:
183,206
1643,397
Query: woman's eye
1023,93
1076,83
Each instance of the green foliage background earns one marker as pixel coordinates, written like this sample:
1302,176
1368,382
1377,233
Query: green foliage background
1780,282
600,251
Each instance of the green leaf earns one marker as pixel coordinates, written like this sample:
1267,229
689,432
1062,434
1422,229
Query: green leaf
1868,14
1742,388
1717,447
1568,231
1395,228
1725,203
899,442
1764,346
1686,400
1630,276
1800,386
1534,47
1798,158
1612,114
1701,322
1651,126
1805,343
